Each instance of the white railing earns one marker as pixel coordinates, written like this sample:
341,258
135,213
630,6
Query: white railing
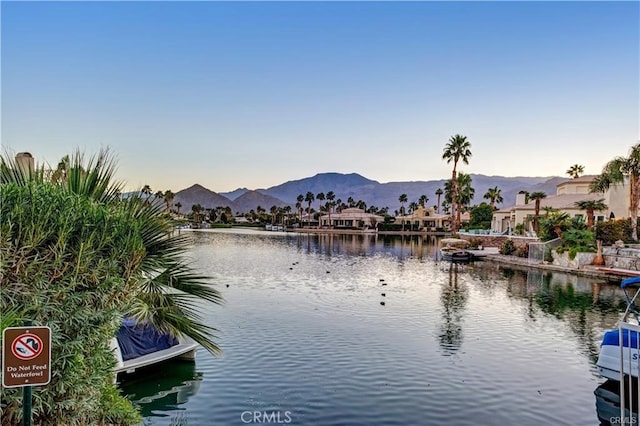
629,367
537,251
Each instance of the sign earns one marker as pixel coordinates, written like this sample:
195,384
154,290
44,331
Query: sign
26,356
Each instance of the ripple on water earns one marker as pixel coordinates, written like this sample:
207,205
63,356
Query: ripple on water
450,346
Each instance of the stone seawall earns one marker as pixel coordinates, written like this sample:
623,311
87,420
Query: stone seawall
497,240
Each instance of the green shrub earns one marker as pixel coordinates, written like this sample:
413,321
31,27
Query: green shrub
507,247
613,230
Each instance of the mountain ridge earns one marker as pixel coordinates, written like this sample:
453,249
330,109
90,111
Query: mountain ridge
358,187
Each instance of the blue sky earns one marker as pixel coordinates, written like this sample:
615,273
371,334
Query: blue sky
253,94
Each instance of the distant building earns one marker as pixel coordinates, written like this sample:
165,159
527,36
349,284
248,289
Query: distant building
567,194
427,219
350,218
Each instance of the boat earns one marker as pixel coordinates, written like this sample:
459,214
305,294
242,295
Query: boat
621,346
608,403
138,345
454,250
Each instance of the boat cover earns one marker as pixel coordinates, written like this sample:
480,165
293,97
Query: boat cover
611,338
630,281
136,340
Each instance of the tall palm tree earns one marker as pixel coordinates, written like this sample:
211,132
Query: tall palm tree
439,192
299,199
615,172
351,202
403,199
457,149
330,197
178,206
537,196
494,195
575,171
320,197
591,206
465,193
309,198
168,198
423,201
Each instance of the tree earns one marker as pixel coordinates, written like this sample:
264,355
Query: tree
423,201
320,197
93,259
439,192
615,172
575,171
330,197
168,198
591,206
481,216
457,149
299,199
146,190
309,198
196,209
494,195
403,199
537,196
465,192
178,206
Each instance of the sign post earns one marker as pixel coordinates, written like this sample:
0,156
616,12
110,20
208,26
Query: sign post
26,361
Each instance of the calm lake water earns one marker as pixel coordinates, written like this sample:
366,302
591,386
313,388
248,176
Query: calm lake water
365,329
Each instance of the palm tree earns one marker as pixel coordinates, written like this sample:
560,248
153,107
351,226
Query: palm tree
309,198
196,209
299,199
575,171
423,201
146,190
403,199
154,282
320,197
614,172
351,202
439,192
168,198
537,196
330,197
591,206
458,148
178,205
413,206
465,193
494,195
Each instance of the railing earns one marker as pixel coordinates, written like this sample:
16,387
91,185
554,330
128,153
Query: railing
629,367
538,251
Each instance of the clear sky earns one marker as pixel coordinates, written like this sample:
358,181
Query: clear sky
253,94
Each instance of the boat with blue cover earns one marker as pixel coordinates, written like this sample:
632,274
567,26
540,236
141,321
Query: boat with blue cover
138,345
621,346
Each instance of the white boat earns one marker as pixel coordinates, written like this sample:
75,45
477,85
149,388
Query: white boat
621,346
140,345
453,250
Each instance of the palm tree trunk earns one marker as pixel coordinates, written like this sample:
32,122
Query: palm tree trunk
454,190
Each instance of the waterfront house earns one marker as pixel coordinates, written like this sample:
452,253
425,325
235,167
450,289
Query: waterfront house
422,219
351,218
567,194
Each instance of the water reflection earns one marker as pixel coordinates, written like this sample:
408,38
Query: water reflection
162,388
453,296
608,403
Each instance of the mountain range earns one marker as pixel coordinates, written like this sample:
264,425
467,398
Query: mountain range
357,187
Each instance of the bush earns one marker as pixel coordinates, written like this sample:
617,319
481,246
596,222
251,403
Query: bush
613,230
507,247
522,251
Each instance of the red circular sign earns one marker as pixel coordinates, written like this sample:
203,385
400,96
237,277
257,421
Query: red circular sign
26,346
